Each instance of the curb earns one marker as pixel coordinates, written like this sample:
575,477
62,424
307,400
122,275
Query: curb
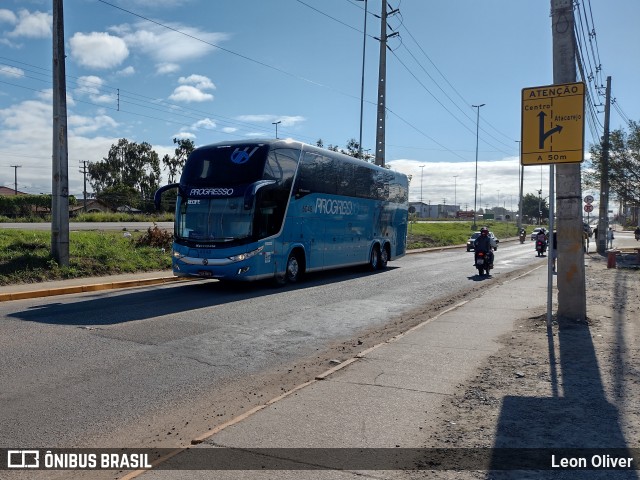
6,297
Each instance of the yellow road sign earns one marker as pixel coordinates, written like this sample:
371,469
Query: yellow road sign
553,124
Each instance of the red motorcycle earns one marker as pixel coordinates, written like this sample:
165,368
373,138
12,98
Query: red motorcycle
541,247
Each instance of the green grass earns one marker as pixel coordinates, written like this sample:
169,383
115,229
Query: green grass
96,217
425,235
25,256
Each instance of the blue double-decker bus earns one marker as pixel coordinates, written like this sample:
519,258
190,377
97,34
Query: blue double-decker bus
249,210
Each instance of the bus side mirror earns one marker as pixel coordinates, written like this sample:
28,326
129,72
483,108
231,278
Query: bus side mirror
157,197
250,194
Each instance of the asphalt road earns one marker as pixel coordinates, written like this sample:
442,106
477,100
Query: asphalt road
150,366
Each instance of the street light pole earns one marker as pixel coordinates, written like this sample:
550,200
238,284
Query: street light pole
276,124
421,175
475,201
455,191
521,180
364,46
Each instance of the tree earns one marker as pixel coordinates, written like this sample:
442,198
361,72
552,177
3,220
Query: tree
532,205
176,163
128,165
624,165
353,148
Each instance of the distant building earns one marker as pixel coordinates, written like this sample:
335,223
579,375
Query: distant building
128,209
93,205
423,210
10,191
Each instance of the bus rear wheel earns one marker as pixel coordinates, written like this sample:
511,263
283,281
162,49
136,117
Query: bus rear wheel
384,258
374,258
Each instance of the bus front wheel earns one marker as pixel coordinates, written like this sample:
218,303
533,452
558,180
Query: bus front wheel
292,271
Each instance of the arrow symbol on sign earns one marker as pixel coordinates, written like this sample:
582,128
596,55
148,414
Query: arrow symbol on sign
544,135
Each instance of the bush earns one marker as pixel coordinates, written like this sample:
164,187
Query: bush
155,237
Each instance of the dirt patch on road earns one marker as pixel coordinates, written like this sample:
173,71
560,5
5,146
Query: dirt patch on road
578,388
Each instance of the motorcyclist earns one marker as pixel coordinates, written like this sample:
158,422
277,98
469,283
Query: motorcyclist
483,244
523,234
637,232
542,237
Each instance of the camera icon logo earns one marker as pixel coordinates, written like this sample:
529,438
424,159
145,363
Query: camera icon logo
23,458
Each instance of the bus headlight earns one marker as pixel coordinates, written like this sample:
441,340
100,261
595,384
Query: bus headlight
245,256
177,255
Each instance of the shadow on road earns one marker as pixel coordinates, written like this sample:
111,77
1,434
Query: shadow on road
117,307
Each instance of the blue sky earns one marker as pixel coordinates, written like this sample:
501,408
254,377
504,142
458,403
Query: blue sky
213,70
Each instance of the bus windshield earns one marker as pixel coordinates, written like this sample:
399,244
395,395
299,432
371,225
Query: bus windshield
214,219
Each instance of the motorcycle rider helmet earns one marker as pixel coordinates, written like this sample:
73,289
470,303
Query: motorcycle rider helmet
484,231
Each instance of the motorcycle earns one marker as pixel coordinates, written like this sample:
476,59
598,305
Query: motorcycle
523,236
637,236
483,262
541,247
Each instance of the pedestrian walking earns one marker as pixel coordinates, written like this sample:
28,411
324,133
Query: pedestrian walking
610,238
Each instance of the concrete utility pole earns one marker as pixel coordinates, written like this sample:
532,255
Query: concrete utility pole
15,178
84,172
572,300
382,85
364,51
603,216
60,155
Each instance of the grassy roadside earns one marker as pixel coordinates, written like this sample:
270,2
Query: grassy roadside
425,235
25,254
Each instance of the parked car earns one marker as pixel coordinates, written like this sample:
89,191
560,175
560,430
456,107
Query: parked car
535,232
492,237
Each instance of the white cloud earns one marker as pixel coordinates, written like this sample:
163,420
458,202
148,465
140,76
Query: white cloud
497,182
168,46
199,81
26,127
127,71
166,68
192,88
205,123
185,135
29,24
229,129
7,16
91,86
11,72
79,125
256,135
187,93
285,120
98,50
